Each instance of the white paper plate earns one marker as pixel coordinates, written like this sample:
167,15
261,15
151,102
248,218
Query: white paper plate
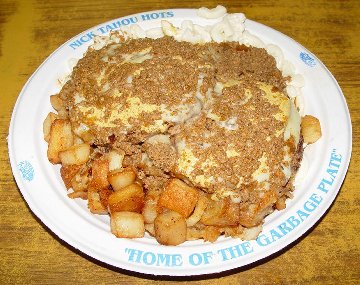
43,190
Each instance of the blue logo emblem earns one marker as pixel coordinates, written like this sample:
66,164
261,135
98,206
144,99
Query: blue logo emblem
27,170
307,59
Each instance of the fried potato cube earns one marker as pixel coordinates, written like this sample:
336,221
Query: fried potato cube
56,102
61,138
50,118
100,170
130,198
221,213
179,197
115,159
104,196
83,132
80,182
68,173
94,203
121,178
127,225
170,228
76,154
310,129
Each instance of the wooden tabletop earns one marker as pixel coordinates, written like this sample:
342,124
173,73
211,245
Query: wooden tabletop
31,29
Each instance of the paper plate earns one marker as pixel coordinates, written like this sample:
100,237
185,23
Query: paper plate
43,189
